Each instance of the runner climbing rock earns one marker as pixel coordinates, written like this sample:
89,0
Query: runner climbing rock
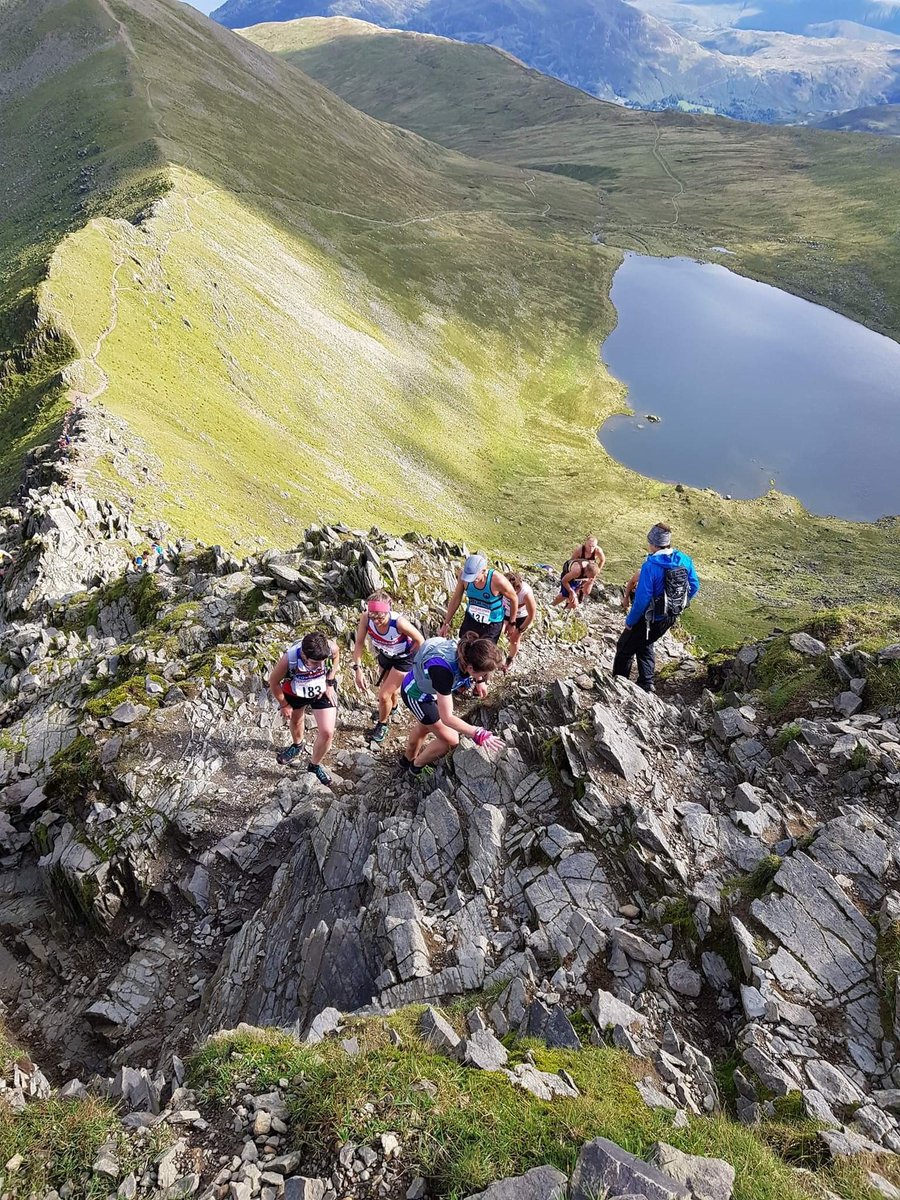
305,677
577,582
441,667
394,640
588,551
526,614
666,585
485,590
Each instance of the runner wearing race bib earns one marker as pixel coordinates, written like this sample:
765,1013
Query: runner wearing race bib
485,590
394,640
526,614
305,677
441,667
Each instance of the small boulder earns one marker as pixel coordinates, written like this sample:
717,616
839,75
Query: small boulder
127,713
484,1051
707,1178
541,1183
603,1168
438,1032
804,643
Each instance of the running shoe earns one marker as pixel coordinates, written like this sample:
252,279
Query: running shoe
424,774
320,773
379,733
293,751
405,764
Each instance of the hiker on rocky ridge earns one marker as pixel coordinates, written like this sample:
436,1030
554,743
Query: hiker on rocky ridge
588,551
577,582
441,667
394,640
526,614
306,677
666,585
485,590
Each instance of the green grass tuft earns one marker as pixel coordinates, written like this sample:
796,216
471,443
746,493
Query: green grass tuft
756,883
467,1128
784,737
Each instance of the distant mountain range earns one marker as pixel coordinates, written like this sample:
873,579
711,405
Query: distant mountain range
879,118
618,51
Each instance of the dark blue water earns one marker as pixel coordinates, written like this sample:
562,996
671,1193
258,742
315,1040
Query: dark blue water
753,385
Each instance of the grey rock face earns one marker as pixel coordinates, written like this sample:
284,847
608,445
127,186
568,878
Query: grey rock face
542,1084
608,1012
438,1032
484,1051
617,746
302,1187
706,1178
804,643
552,1026
541,1183
603,1168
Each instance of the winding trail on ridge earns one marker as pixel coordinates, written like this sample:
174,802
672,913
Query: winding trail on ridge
658,155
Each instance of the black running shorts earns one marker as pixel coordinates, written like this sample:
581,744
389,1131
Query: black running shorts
491,632
423,708
402,663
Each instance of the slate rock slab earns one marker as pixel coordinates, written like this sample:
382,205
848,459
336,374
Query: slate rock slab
605,1168
552,1026
438,1032
541,1183
707,1178
484,1051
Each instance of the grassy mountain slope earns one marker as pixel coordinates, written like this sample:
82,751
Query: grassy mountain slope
877,118
75,142
298,312
812,212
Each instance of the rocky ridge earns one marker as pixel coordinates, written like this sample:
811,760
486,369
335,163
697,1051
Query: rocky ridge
692,882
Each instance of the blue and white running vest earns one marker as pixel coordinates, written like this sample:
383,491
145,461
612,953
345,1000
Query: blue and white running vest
392,643
483,606
306,681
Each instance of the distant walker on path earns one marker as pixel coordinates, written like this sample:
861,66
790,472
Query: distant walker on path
666,585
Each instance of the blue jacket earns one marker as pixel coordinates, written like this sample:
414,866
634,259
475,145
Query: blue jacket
652,581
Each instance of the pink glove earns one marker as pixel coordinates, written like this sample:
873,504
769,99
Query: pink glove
484,737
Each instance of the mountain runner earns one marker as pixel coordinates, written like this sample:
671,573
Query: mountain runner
577,582
484,589
306,677
588,551
441,667
394,641
527,612
666,585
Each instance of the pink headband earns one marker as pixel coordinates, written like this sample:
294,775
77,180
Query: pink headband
379,606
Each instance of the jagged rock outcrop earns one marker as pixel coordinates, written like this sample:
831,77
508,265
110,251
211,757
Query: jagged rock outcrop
692,881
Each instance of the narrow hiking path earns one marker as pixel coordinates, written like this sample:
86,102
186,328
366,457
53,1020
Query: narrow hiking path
660,158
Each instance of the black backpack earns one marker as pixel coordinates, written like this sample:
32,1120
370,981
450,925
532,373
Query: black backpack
675,595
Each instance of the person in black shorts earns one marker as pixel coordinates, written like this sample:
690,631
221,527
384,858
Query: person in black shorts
394,640
525,618
441,667
305,677
485,590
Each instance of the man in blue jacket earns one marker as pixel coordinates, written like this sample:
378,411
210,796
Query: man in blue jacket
666,585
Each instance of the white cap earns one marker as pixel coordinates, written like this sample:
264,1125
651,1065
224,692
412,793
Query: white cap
474,565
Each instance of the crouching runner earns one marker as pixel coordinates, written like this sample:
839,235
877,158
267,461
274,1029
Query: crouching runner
441,667
305,677
394,641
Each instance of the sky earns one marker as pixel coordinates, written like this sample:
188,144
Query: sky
205,5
